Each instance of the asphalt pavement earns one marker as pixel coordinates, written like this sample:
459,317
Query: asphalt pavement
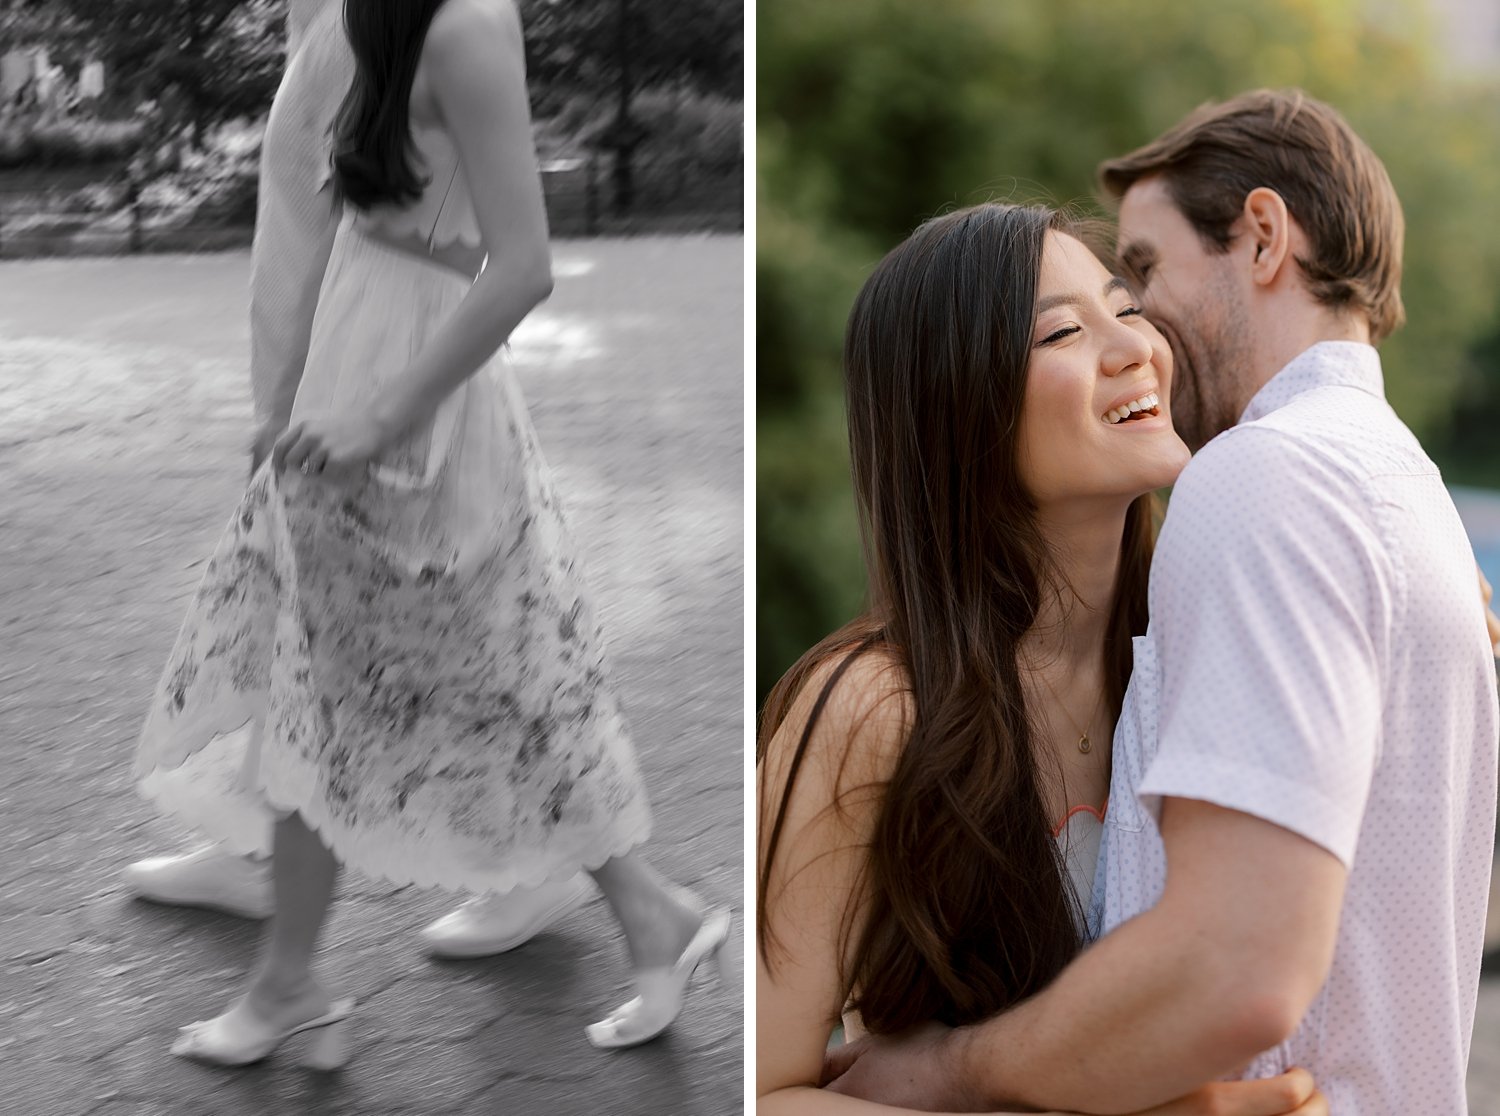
124,421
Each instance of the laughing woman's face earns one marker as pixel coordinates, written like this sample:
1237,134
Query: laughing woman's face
1095,423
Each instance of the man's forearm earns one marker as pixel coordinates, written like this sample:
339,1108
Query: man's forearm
1146,1015
285,281
274,379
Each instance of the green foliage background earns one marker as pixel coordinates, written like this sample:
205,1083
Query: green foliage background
875,114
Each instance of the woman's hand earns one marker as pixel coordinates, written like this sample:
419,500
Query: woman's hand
1490,619
1292,1094
331,445
263,442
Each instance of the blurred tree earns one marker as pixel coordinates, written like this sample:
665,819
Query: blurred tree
222,57
610,49
28,22
575,45
1469,449
875,114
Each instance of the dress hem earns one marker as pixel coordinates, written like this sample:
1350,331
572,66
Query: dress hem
229,828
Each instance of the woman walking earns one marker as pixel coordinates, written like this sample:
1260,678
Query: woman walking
392,646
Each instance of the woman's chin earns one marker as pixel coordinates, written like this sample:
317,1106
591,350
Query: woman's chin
1161,467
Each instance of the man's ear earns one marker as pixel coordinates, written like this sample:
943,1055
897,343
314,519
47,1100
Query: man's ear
1268,224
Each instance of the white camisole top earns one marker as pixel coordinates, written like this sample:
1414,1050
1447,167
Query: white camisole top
442,223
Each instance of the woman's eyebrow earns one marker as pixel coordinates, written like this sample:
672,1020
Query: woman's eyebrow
1115,283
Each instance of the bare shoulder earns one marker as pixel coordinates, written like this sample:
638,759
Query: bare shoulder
474,56
860,707
464,32
821,791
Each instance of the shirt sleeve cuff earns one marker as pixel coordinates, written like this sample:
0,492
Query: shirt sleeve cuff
1332,824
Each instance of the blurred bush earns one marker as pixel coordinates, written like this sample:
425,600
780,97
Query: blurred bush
214,186
875,114
701,133
67,142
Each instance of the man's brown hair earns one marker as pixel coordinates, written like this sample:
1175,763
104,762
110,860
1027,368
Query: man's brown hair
1333,185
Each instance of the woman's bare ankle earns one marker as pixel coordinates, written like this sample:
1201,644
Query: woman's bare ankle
283,986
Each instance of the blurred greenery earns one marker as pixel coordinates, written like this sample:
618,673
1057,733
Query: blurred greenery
220,58
875,114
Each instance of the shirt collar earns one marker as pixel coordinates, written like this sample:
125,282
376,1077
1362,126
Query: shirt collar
1326,364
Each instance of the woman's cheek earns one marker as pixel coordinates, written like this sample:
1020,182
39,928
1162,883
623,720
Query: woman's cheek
1050,435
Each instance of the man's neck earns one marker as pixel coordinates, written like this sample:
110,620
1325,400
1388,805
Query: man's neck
1283,337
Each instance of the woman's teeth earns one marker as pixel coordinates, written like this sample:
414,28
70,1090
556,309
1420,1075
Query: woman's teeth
1146,404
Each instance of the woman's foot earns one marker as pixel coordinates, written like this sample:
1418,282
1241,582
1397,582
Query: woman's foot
259,1021
210,877
660,926
661,988
284,1003
490,924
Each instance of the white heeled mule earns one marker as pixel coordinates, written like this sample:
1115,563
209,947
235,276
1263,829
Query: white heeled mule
660,992
210,1041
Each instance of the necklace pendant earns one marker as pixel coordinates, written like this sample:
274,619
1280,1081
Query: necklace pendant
1083,744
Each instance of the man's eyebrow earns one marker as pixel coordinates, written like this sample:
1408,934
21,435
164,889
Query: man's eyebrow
1115,283
1135,257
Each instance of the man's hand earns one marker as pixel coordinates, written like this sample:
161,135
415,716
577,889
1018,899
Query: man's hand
911,1070
1292,1094
918,1069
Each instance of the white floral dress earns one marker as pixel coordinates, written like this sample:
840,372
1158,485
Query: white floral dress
411,662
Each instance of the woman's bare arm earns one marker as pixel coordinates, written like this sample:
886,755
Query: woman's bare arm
817,875
475,57
821,857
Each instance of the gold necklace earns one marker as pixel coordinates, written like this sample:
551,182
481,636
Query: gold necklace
1084,745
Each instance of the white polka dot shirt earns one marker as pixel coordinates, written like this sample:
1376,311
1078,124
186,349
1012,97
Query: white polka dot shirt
1317,658
296,216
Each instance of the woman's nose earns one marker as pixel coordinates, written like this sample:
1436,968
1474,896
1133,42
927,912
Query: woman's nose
1128,347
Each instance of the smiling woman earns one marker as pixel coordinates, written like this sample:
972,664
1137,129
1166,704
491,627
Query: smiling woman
1095,356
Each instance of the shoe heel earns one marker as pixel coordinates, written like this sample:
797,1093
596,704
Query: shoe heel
329,1048
715,961
720,949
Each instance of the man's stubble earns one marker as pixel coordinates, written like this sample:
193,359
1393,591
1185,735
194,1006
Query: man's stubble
1212,351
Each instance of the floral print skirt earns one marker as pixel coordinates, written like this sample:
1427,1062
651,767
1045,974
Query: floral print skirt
410,661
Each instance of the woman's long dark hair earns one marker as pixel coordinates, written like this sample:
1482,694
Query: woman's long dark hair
967,909
372,160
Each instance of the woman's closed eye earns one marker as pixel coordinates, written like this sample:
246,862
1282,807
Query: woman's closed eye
1069,330
1059,334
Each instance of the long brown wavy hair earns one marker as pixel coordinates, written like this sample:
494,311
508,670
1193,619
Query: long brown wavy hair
966,904
372,159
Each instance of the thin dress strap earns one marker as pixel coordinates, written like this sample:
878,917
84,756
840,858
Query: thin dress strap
432,236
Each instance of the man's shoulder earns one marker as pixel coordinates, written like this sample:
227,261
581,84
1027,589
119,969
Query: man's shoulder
1267,487
1257,457
1319,442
